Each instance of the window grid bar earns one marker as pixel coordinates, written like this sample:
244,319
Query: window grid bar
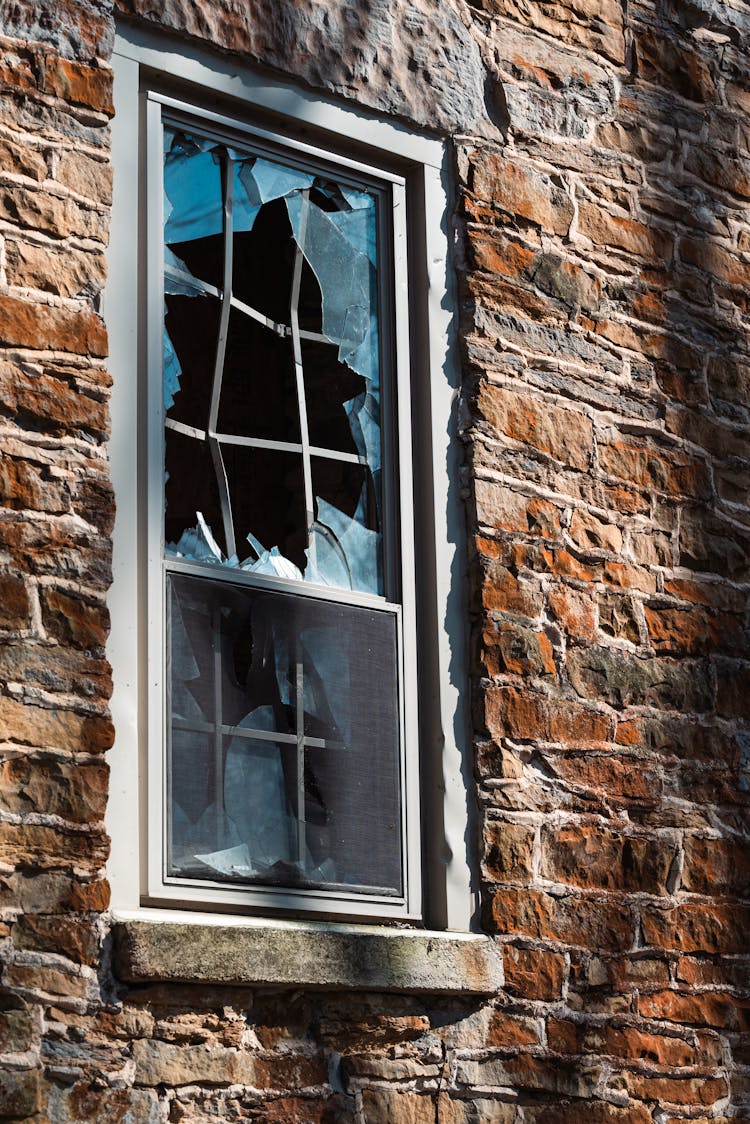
250,734
264,443
218,725
300,719
221,347
300,375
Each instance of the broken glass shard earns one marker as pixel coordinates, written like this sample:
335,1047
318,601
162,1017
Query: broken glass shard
255,792
347,284
265,181
193,203
344,553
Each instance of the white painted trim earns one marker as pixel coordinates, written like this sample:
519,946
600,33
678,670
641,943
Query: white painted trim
423,162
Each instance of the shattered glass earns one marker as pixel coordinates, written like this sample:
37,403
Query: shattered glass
269,696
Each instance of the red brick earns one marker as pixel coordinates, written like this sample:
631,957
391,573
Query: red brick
533,973
42,327
512,713
565,435
587,922
620,1041
692,927
594,858
522,191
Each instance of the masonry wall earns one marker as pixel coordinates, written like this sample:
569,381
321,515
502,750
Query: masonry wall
603,234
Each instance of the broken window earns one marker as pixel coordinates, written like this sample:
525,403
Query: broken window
284,694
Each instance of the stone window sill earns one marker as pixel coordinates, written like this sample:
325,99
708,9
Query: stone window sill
151,946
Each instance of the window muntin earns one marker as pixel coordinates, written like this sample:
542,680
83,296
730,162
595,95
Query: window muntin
272,366
346,546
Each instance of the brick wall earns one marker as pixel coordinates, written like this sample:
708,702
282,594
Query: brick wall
603,162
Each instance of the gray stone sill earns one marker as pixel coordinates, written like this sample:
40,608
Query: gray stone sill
291,954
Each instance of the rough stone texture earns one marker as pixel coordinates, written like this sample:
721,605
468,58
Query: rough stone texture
603,250
435,963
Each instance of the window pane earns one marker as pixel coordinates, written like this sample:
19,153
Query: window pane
296,363
284,748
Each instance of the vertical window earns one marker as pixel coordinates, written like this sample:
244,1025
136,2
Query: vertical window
280,557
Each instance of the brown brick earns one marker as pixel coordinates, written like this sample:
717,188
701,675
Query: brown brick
716,866
620,1041
594,858
522,191
45,327
14,602
508,851
71,620
533,973
691,927
53,729
587,922
516,714
73,791
565,435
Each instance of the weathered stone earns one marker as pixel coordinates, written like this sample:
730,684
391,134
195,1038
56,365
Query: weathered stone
522,191
623,680
573,919
588,532
14,602
76,792
417,60
159,1063
67,273
72,620
54,729
508,852
19,1092
281,956
593,858
582,23
533,973
563,434
46,326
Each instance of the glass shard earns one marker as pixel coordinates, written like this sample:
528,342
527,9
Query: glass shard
347,283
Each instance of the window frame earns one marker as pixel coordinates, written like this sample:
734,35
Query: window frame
412,163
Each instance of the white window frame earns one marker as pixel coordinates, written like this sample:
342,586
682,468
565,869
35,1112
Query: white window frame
147,77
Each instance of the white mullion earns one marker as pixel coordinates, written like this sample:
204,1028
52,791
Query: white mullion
221,346
300,375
